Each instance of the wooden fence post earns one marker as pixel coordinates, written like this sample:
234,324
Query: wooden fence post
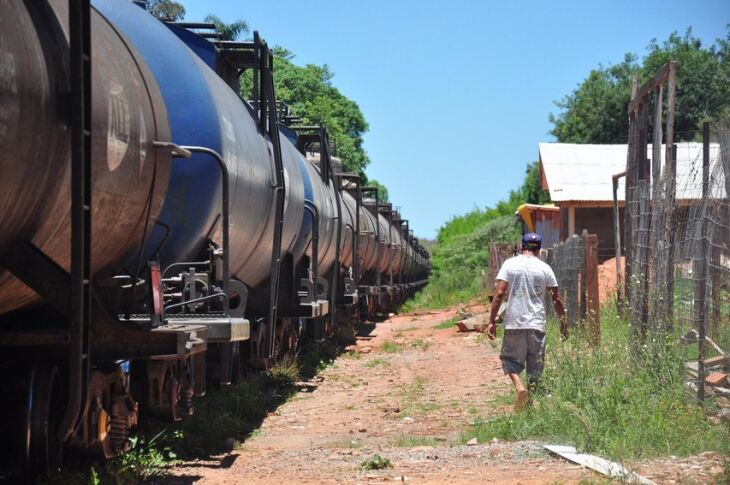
591,285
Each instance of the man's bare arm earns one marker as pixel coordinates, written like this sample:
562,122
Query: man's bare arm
499,294
560,310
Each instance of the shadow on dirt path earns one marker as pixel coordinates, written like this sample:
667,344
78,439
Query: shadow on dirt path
404,391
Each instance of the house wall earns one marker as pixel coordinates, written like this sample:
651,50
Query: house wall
596,220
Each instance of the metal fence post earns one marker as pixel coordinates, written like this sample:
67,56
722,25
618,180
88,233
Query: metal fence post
591,284
700,267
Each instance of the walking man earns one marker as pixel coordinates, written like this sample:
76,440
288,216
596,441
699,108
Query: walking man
525,279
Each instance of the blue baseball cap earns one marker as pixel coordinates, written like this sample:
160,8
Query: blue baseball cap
531,241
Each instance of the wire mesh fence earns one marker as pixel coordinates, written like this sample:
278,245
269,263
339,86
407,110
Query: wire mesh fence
498,254
568,262
677,231
575,264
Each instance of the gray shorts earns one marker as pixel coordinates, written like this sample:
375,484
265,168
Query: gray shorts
520,347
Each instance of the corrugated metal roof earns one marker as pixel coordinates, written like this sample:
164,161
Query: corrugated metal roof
582,172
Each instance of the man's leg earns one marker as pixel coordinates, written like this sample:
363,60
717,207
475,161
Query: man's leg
535,357
513,355
523,394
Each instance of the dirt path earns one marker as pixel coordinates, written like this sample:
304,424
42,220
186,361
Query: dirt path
405,392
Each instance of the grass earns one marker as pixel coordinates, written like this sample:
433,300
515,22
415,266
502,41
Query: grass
392,347
451,322
147,458
376,462
420,343
414,389
285,372
605,401
411,441
376,362
410,395
426,407
236,411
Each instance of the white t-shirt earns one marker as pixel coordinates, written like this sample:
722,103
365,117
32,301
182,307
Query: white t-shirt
527,277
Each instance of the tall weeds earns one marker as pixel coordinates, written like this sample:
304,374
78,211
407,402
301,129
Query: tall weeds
605,400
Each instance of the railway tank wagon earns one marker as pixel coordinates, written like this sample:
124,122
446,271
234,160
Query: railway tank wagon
54,394
218,235
205,112
128,114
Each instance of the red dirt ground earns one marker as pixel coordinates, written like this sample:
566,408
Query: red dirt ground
408,402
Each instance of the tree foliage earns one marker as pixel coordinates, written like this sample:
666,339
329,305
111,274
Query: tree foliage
383,195
309,92
232,31
597,110
166,9
703,78
531,192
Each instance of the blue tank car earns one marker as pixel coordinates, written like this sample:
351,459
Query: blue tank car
204,111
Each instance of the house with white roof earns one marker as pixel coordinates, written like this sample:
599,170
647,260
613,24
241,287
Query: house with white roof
579,180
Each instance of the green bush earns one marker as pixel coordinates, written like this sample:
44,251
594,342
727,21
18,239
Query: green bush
376,462
459,260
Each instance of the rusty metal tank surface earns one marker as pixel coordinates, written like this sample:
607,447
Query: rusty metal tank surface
129,176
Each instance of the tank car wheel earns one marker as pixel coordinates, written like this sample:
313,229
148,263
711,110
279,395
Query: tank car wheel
257,345
329,328
237,355
44,410
291,341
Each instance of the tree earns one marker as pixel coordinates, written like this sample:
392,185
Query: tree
596,111
383,196
166,9
703,78
531,192
309,92
226,31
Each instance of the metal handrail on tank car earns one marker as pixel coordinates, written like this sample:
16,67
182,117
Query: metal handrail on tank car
385,209
354,178
257,56
374,191
186,151
268,97
312,208
324,150
326,172
79,15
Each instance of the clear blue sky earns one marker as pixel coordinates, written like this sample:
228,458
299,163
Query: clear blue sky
457,93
